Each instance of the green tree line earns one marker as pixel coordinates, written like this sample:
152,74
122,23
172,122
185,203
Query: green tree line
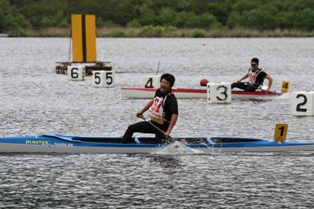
19,15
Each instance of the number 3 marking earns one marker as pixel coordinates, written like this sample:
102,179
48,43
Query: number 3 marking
224,92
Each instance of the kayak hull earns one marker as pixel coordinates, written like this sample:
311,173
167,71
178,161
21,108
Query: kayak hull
190,93
55,143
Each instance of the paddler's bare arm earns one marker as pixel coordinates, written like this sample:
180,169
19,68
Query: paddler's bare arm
173,121
147,106
270,82
244,77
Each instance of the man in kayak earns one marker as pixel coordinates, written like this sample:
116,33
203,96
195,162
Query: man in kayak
163,112
256,77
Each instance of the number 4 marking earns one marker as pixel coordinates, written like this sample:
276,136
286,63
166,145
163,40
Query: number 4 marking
149,83
285,86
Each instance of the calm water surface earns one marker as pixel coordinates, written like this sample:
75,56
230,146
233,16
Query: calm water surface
36,100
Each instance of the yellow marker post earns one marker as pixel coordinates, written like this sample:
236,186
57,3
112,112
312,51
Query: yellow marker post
83,38
281,132
285,85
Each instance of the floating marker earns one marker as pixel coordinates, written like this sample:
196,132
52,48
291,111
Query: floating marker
302,103
219,93
285,86
83,38
281,132
152,81
76,73
103,78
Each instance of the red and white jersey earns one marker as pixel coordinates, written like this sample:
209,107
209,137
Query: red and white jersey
253,75
156,111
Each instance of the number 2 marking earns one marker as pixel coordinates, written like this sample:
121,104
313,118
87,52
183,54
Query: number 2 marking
299,108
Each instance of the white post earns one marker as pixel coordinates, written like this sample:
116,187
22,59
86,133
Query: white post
302,103
76,73
219,93
151,81
103,78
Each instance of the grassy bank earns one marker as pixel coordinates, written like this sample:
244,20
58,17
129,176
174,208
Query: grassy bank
159,31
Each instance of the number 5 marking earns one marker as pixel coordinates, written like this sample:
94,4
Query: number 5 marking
109,77
97,78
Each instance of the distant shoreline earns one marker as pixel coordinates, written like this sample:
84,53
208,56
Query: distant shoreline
162,32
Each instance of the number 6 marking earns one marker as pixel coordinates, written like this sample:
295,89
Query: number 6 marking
74,74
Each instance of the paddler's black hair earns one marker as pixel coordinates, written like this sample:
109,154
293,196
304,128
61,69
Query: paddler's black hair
169,77
255,60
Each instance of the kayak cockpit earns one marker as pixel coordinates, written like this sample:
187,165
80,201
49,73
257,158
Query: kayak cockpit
151,140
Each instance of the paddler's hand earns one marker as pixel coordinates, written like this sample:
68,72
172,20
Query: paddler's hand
139,114
166,134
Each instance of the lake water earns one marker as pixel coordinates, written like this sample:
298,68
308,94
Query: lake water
36,100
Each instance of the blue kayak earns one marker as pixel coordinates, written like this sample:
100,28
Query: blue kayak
56,143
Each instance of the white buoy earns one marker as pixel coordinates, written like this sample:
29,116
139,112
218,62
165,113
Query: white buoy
302,103
76,73
219,93
103,78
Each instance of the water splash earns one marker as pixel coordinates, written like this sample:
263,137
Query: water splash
283,96
178,148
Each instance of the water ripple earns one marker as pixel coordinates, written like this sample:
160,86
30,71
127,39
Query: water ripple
35,100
